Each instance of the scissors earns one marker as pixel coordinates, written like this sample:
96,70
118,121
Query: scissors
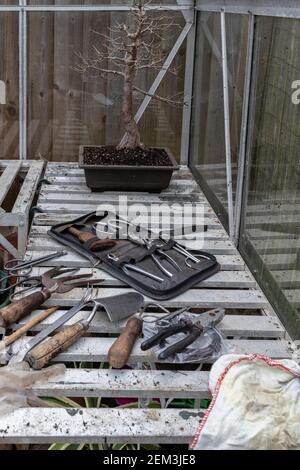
34,281
14,265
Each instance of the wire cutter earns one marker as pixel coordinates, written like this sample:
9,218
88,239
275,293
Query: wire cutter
192,329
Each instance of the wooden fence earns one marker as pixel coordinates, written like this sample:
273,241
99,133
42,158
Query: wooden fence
66,109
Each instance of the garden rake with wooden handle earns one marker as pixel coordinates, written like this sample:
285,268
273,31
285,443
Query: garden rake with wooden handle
52,283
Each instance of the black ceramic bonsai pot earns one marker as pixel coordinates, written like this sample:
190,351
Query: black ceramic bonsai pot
127,177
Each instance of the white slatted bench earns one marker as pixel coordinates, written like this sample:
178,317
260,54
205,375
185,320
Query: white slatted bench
249,326
30,173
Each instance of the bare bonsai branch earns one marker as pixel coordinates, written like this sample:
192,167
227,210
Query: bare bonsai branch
131,48
168,100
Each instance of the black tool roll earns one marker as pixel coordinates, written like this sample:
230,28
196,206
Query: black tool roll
150,264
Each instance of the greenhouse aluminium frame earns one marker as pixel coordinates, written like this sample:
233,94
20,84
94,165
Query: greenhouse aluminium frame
189,10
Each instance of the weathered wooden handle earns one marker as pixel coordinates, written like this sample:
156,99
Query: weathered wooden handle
42,354
17,310
120,350
82,236
86,236
20,331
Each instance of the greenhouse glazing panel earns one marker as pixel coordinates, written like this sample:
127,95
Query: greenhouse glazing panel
208,160
271,224
67,108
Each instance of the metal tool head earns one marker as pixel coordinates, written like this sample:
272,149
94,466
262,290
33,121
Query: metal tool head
16,265
121,306
51,279
210,318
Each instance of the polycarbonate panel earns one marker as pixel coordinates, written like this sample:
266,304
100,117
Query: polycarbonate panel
270,239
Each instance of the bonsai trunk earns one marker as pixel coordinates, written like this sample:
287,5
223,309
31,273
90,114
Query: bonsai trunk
132,138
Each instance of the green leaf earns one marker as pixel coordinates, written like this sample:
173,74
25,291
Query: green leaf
95,447
150,446
61,402
59,446
124,446
91,402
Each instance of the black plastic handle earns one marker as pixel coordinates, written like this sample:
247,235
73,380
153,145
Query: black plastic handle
165,333
180,345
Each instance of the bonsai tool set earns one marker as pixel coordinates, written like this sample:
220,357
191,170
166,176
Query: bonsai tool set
157,267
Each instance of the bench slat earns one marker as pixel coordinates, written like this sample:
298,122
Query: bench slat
33,425
126,383
231,325
90,349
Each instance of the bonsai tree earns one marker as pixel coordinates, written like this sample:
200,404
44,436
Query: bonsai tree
131,48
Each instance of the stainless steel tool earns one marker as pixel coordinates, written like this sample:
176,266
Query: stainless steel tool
15,265
131,267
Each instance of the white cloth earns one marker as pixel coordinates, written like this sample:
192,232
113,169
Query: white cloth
16,381
255,405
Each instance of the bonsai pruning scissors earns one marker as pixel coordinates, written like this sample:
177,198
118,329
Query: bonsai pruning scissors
32,281
15,265
192,329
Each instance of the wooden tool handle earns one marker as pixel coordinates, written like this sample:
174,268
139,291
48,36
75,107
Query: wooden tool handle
120,351
19,309
42,354
82,236
86,236
20,332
